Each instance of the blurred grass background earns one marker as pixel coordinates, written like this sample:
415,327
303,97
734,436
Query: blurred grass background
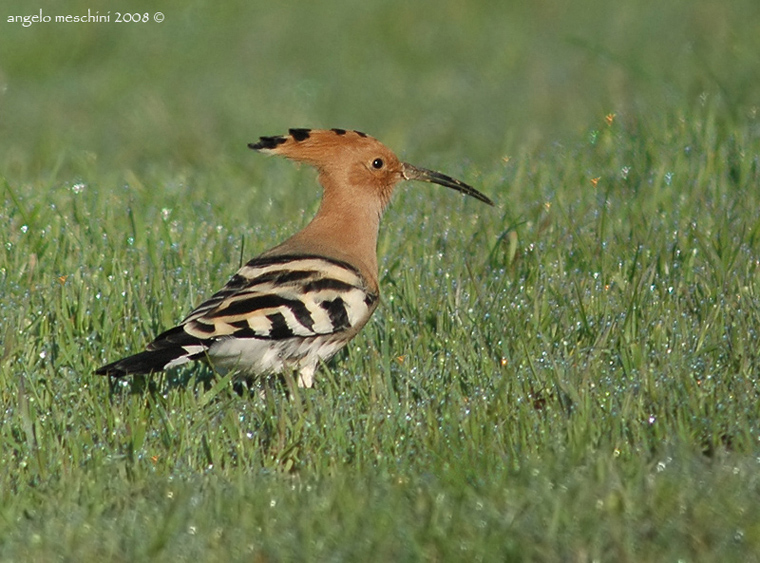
441,76
570,376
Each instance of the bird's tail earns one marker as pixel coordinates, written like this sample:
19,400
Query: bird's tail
144,362
170,349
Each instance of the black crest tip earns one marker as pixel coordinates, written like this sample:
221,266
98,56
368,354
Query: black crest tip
299,134
267,143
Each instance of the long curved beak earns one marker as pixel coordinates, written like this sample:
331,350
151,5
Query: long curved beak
423,174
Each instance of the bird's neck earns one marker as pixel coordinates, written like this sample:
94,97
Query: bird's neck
343,229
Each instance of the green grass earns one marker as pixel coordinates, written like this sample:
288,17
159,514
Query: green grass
569,376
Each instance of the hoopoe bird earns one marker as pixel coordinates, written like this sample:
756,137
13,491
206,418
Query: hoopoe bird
299,303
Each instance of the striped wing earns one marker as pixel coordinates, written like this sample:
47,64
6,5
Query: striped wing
288,301
276,313
284,297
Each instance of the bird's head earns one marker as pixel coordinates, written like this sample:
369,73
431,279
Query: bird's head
351,160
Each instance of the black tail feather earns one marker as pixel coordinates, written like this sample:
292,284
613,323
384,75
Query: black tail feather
145,362
166,348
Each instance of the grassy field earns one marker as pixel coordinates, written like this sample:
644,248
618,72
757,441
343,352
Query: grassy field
572,375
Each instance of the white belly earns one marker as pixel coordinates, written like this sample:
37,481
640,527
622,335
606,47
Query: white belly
256,357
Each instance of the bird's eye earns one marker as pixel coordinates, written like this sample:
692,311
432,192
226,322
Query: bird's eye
377,164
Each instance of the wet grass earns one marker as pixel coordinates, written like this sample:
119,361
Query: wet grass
572,375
